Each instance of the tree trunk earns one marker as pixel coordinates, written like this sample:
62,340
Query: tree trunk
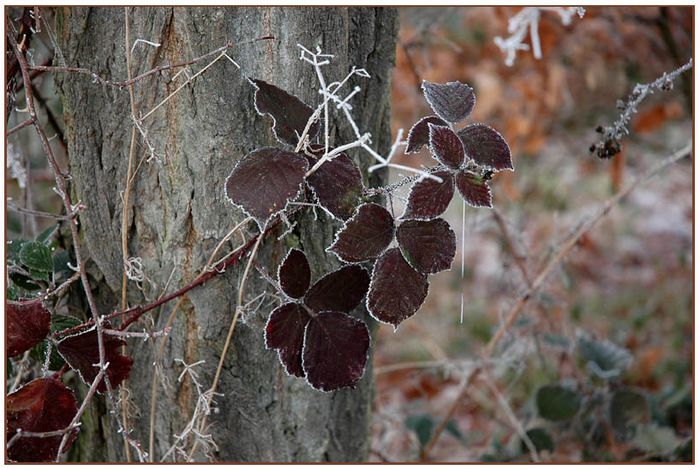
178,212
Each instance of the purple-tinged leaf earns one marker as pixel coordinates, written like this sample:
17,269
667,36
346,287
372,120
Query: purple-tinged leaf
474,189
43,405
285,332
446,146
265,180
486,147
294,274
419,136
397,290
427,245
28,322
337,185
341,290
82,354
451,101
429,198
335,351
366,235
289,114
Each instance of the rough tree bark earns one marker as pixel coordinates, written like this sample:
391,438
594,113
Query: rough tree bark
178,211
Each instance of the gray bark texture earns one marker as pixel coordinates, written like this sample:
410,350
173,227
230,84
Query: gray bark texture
178,212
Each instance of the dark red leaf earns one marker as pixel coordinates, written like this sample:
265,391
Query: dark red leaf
289,113
43,405
337,185
335,351
81,352
397,290
419,133
265,180
294,274
486,147
428,198
474,189
446,146
451,101
28,322
285,332
428,245
366,235
341,290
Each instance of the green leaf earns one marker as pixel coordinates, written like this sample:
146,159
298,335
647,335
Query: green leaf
36,257
46,236
557,403
422,425
604,359
540,439
13,249
58,323
628,408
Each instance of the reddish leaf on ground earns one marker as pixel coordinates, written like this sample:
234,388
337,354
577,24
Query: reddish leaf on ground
337,185
397,290
474,189
429,198
28,322
427,245
486,147
43,405
285,332
265,180
341,290
446,146
451,101
419,136
294,274
366,235
81,353
290,115
335,351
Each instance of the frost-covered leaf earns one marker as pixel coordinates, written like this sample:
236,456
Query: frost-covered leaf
654,439
43,405
366,235
451,101
557,403
603,358
81,352
474,189
446,146
428,245
288,112
46,236
285,332
429,198
36,257
419,135
265,180
28,322
486,147
58,323
294,274
397,290
335,350
628,408
341,290
337,185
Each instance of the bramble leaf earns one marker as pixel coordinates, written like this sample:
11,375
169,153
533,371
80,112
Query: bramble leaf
341,290
486,147
419,135
451,101
337,184
335,350
43,405
366,235
294,274
429,198
397,290
628,408
474,189
28,322
290,115
446,147
557,403
36,257
285,332
265,180
427,245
